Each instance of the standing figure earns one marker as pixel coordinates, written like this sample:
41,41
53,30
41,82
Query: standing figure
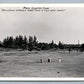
59,60
41,60
49,59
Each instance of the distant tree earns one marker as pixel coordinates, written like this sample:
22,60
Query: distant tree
16,41
60,45
10,41
30,43
25,43
35,42
39,45
52,45
82,47
35,39
20,41
5,42
43,46
1,45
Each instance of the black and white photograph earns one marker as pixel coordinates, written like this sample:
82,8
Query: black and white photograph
42,41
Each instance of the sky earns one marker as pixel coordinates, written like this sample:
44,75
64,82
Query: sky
41,82
41,1
66,26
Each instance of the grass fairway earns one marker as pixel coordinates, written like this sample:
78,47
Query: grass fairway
15,63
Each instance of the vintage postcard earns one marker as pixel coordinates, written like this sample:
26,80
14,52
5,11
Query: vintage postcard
42,40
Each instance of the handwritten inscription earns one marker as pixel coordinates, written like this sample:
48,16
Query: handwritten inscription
34,9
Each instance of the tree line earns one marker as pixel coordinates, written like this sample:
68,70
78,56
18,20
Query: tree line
22,42
31,43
